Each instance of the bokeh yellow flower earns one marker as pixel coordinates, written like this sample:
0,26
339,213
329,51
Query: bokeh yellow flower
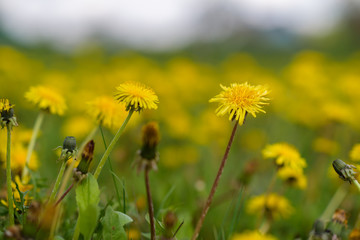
273,205
326,146
19,158
46,99
293,177
355,153
240,99
285,155
106,112
136,96
252,235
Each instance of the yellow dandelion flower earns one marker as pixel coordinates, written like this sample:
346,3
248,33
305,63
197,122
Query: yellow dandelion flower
5,105
355,153
46,99
252,235
106,112
240,99
293,177
136,96
285,155
274,206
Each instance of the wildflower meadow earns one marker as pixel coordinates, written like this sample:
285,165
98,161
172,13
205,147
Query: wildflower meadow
130,146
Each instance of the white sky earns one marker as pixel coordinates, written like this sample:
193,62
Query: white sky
160,24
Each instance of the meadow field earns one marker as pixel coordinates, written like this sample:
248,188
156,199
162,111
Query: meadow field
290,121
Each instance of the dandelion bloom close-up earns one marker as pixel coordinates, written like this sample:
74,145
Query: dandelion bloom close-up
240,99
136,96
5,105
274,205
46,99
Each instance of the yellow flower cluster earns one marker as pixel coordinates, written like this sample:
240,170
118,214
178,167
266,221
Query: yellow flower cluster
5,105
272,205
289,162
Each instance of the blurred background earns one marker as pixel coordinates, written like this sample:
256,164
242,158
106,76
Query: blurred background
306,52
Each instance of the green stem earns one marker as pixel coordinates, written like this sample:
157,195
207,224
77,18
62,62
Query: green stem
214,186
77,230
265,226
112,145
58,181
335,201
31,146
111,169
8,176
356,184
150,204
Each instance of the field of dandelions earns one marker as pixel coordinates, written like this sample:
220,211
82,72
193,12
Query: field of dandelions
128,146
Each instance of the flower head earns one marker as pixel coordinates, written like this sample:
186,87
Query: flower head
275,206
46,99
106,112
345,171
136,96
252,235
240,99
293,177
68,149
285,155
7,115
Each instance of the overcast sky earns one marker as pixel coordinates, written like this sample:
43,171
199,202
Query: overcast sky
160,24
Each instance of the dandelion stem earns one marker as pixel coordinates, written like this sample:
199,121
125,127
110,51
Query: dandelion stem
214,186
356,184
150,204
112,145
265,226
111,169
335,201
64,194
57,182
8,176
77,230
31,146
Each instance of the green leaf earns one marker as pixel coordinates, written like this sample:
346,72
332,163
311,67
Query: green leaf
87,198
113,224
58,238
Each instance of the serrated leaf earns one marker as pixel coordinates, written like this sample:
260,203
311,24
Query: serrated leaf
113,224
87,199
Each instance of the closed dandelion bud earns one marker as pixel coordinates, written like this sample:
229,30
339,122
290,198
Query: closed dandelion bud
170,220
68,149
86,158
345,171
148,156
150,139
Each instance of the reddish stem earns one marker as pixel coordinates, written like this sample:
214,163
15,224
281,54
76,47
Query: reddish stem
64,194
214,186
150,204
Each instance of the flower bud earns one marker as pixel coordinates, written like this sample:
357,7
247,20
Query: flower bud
170,220
69,148
86,158
69,143
150,139
345,171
